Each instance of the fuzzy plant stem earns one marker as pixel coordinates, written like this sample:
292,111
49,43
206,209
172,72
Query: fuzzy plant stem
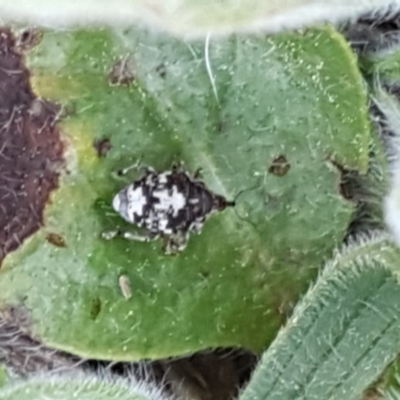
343,333
192,17
389,107
80,386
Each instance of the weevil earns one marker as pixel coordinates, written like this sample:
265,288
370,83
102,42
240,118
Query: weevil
169,204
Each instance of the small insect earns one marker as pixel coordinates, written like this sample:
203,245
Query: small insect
125,286
170,204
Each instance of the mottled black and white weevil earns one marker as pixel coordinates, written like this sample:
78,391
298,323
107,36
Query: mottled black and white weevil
170,204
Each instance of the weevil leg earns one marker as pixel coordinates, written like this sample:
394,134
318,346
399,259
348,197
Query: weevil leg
176,243
197,226
137,166
198,174
109,235
138,237
178,166
197,177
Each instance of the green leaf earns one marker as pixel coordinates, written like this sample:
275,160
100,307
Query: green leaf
392,390
383,65
235,107
342,334
79,385
3,375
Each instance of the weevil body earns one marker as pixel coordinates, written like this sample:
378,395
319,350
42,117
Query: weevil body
171,204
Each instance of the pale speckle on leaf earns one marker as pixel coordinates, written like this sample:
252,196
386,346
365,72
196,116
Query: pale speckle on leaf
125,286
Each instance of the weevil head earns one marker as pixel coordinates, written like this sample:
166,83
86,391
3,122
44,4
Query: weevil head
220,203
131,203
120,204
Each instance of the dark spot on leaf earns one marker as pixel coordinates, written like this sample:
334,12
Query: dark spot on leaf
121,73
102,146
28,38
204,274
346,183
161,70
31,151
279,166
55,239
95,308
221,126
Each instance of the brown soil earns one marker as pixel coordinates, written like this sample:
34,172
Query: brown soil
30,149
